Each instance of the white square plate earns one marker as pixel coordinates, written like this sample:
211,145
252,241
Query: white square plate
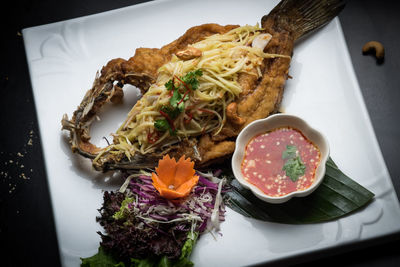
63,59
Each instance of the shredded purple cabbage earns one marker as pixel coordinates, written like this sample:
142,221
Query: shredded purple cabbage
140,223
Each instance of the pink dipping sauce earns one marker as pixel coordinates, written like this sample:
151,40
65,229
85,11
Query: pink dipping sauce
262,164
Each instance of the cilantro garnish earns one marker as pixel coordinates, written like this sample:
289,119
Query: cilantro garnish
290,152
162,125
170,85
172,112
191,79
177,101
294,166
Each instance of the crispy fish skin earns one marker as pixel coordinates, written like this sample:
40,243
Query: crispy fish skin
140,71
147,61
287,22
260,97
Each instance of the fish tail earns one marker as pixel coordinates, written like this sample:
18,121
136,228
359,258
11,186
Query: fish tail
300,17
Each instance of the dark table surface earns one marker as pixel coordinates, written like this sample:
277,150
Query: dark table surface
26,222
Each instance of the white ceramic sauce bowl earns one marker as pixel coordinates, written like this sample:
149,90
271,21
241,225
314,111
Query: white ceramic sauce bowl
265,125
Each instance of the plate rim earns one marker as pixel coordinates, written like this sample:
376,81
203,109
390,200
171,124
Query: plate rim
346,56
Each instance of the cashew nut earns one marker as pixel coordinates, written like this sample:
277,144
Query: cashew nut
376,47
189,53
261,40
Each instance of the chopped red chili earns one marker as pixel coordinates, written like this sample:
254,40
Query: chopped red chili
187,121
184,84
152,137
183,97
206,111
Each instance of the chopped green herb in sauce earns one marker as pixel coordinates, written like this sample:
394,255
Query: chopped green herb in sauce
294,166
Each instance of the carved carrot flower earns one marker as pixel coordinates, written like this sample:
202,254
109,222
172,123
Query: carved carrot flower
174,179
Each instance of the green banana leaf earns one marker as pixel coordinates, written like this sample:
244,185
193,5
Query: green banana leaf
337,196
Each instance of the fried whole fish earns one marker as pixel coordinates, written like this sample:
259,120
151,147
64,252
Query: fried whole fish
260,81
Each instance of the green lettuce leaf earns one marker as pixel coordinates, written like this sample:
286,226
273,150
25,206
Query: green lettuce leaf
103,259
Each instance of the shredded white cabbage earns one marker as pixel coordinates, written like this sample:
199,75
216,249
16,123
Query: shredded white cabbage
215,213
